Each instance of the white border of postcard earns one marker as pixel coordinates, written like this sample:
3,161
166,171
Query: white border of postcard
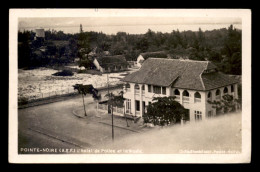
244,157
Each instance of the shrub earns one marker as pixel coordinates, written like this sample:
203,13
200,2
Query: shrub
22,101
81,71
63,73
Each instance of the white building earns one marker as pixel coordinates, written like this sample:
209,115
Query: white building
110,63
143,56
192,82
39,34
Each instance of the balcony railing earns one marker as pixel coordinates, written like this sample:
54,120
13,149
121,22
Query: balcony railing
137,113
143,92
137,91
197,100
218,97
127,111
186,99
177,98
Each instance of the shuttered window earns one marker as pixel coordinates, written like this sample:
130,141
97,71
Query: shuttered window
157,90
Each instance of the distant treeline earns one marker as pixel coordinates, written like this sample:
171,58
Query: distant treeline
222,46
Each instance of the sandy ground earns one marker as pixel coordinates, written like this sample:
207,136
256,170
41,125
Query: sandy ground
37,81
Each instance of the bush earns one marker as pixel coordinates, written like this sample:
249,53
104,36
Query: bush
81,71
63,73
22,101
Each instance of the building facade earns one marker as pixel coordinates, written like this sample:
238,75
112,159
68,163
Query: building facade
110,63
192,82
143,56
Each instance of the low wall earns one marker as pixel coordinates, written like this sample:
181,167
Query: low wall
116,110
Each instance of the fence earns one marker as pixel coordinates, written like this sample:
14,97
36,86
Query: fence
62,92
116,110
48,95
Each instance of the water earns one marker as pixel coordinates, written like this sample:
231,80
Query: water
135,29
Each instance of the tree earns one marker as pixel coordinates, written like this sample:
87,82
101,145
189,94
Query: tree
85,63
142,44
84,47
24,49
72,47
165,111
226,105
232,52
84,90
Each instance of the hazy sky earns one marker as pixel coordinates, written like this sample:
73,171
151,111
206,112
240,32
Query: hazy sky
132,25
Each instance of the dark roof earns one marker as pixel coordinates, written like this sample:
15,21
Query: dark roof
111,61
141,61
216,79
158,54
186,74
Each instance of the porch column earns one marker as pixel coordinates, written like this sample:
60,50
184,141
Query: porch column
124,106
141,100
132,88
236,91
181,96
124,87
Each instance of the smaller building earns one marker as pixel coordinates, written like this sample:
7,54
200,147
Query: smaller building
110,63
143,56
40,34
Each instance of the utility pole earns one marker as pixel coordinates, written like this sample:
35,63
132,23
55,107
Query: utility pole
109,106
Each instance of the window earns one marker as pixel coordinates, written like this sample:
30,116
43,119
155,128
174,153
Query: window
197,95
209,95
210,114
198,115
144,108
128,106
127,85
186,93
176,92
164,90
149,88
143,87
137,86
225,90
137,105
217,93
186,96
149,103
232,88
157,90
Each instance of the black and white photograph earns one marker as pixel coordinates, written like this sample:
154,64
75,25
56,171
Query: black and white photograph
129,86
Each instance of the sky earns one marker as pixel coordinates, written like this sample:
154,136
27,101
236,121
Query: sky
131,25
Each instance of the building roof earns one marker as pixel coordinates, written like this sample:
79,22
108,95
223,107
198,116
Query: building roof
111,61
141,61
157,54
40,33
186,74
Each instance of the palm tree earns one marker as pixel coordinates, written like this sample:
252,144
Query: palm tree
81,89
86,89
